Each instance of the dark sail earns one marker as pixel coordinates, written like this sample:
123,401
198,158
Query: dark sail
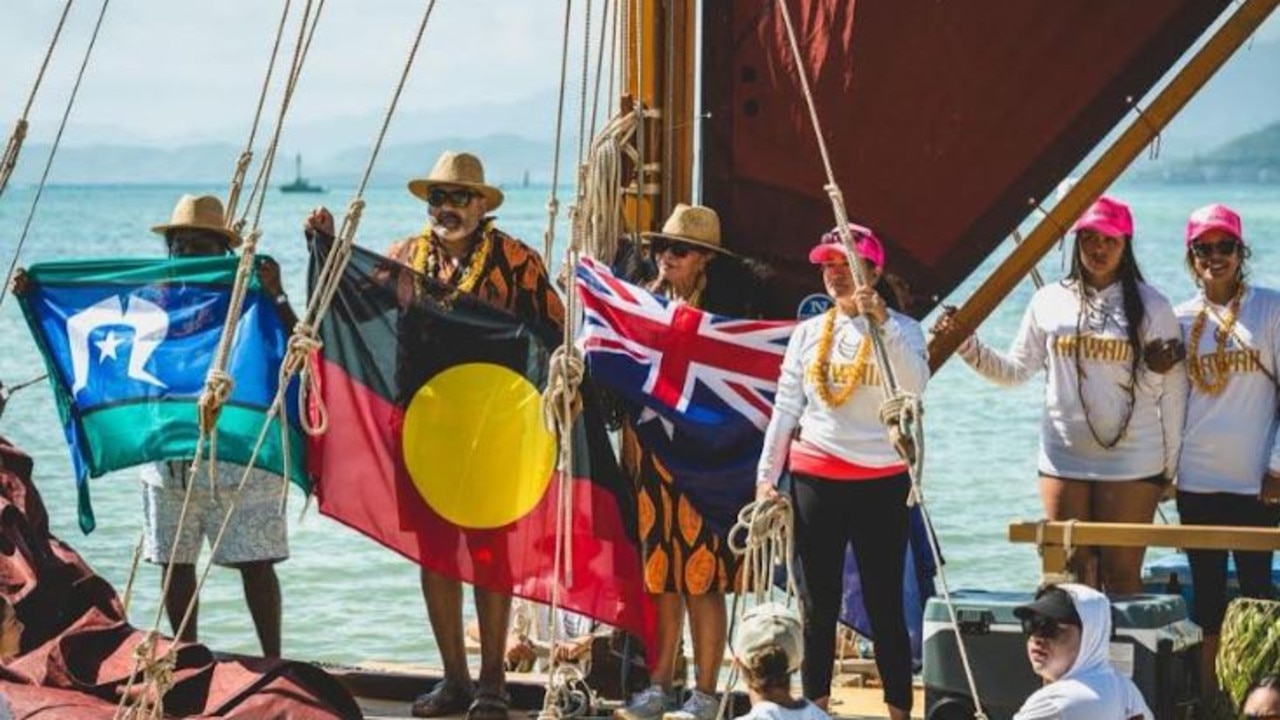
943,119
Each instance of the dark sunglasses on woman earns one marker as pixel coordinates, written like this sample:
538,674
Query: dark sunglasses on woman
1226,248
1042,627
456,198
657,246
1257,716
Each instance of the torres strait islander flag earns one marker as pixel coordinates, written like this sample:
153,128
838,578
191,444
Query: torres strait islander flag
128,343
436,446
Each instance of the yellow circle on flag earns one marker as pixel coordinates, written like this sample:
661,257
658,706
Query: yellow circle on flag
476,447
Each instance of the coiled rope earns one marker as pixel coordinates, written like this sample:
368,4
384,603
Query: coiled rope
902,411
764,537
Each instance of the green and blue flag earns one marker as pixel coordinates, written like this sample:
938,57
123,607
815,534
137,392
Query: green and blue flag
128,343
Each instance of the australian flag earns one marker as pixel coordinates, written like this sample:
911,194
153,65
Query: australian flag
128,343
707,384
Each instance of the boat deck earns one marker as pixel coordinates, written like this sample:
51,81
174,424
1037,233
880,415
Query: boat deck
384,692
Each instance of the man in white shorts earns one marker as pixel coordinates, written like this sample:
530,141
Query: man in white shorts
256,537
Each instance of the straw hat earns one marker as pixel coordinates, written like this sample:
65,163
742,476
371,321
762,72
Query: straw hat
692,224
457,169
199,213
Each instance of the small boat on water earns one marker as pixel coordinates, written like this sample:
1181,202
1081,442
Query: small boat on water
300,184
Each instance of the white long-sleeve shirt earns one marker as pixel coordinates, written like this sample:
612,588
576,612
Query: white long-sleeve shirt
1230,439
852,431
1048,337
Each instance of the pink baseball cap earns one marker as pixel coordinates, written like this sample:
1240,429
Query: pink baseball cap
1108,216
865,242
1214,217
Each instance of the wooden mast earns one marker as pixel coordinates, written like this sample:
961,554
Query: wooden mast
1103,173
659,46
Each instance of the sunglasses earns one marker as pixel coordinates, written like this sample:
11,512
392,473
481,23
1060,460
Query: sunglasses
657,246
1042,627
1226,248
1261,716
456,198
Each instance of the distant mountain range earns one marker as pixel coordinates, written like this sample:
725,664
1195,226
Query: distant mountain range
507,158
1226,131
1251,158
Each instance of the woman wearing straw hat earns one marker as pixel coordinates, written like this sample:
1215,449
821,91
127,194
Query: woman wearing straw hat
462,247
1229,470
849,486
687,564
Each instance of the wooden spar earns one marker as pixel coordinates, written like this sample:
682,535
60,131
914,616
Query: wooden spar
661,76
1053,537
1238,28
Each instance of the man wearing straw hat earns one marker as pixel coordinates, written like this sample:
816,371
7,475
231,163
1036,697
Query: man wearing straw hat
462,247
256,534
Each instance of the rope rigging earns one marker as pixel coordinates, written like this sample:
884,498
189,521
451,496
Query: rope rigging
156,670
901,412
567,695
57,141
246,156
13,148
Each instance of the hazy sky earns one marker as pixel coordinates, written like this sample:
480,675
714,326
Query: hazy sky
167,68
170,71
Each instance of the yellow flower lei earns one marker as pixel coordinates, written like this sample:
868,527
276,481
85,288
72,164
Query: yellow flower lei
821,366
426,257
1216,385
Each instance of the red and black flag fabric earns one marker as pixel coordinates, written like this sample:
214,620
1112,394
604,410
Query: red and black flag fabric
436,446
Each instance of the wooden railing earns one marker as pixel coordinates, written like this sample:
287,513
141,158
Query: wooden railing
1058,539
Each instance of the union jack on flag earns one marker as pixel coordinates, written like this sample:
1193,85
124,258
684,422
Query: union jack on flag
676,359
701,386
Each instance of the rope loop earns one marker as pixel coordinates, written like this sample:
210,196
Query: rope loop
351,222
764,536
300,358
1154,152
218,386
901,414
568,695
562,393
157,673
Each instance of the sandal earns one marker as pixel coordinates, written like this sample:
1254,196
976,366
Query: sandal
444,699
490,705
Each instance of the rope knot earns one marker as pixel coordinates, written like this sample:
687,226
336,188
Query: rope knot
901,415
562,392
157,680
218,386
300,359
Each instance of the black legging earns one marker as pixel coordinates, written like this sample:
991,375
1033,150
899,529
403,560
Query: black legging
1209,567
872,514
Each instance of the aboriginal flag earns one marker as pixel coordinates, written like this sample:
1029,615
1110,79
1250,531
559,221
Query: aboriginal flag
436,446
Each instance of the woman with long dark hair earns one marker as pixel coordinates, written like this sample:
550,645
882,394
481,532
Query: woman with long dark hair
1116,393
1229,472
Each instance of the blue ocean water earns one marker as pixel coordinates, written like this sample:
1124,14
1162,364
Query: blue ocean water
347,599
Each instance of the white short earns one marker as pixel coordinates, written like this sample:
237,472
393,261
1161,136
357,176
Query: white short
257,530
